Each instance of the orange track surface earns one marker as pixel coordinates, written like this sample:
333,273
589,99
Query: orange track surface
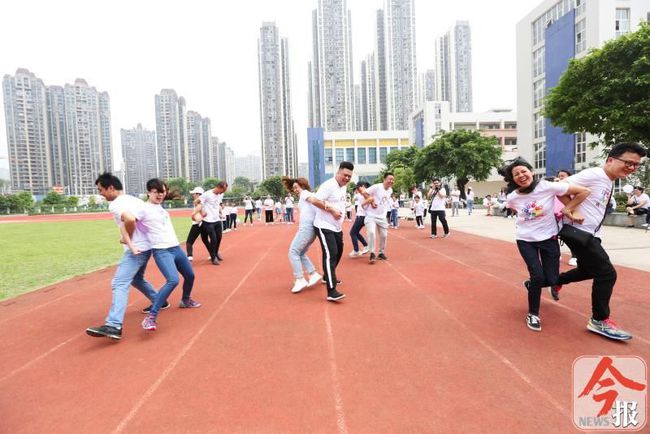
433,340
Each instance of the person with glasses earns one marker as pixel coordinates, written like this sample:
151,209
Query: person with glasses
593,263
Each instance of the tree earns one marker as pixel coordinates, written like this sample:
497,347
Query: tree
180,185
53,198
404,179
73,201
24,200
462,154
243,182
402,158
607,93
210,183
272,186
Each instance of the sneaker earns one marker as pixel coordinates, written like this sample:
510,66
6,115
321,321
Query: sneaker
215,261
554,291
526,284
299,285
149,323
609,329
105,330
434,236
314,278
354,254
533,322
573,262
645,225
372,258
335,296
445,235
219,257
189,258
148,308
382,257
324,282
189,303
364,250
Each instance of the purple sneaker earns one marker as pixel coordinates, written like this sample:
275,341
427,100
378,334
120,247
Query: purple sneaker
149,323
189,303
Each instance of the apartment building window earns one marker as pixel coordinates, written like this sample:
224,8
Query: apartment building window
328,156
581,148
361,155
540,155
538,62
349,155
539,125
383,152
538,31
580,7
581,40
538,93
372,155
339,155
622,21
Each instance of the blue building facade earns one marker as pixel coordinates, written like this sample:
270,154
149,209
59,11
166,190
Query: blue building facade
316,155
559,50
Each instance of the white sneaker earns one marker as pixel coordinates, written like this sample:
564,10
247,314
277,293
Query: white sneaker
645,225
573,262
299,285
354,254
314,278
364,250
189,258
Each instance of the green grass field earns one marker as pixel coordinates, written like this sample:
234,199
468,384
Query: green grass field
33,255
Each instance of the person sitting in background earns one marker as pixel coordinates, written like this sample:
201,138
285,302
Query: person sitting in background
637,204
488,203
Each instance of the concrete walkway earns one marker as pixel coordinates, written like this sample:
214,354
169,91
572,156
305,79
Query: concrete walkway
626,246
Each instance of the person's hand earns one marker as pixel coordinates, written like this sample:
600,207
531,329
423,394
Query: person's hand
135,250
336,213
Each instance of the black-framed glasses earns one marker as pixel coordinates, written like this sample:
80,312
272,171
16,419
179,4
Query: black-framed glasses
629,164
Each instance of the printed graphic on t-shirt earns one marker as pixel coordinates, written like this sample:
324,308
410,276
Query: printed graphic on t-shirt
533,210
603,199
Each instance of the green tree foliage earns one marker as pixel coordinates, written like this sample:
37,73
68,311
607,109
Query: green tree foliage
210,183
72,201
25,200
404,179
607,93
462,154
54,198
180,185
243,182
402,158
272,186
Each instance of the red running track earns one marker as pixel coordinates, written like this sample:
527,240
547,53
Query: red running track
433,340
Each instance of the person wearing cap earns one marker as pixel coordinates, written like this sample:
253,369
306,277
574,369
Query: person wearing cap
197,220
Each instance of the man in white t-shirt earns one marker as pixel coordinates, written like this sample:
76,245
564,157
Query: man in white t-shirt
248,209
288,209
329,225
131,269
638,204
438,197
593,262
376,214
212,226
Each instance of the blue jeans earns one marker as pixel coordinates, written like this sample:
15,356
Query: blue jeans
542,259
393,218
130,271
298,250
289,217
170,262
355,232
470,206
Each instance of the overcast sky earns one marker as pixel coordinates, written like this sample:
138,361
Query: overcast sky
207,51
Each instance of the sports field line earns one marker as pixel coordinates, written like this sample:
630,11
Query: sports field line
35,308
122,425
336,385
503,359
587,299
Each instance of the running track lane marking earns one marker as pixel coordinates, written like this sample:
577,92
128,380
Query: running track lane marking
35,308
185,350
336,385
509,283
488,347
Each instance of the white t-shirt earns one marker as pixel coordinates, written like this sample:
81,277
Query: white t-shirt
535,216
307,210
382,198
331,192
594,206
248,204
258,204
233,210
455,196
268,204
358,199
125,203
211,202
640,198
438,200
418,208
161,232
288,202
470,195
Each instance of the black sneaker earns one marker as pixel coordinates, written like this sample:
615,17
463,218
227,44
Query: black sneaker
554,291
335,296
527,285
382,256
105,330
148,308
215,261
219,257
372,258
324,282
533,322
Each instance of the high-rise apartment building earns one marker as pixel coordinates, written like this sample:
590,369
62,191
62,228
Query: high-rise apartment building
552,34
169,133
382,86
139,157
249,167
331,92
57,135
279,150
453,56
401,69
27,132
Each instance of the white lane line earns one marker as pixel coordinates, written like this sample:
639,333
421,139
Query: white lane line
490,348
35,308
149,393
336,384
509,283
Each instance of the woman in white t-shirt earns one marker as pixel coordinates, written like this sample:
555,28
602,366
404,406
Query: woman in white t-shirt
305,235
536,229
248,209
268,209
169,257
